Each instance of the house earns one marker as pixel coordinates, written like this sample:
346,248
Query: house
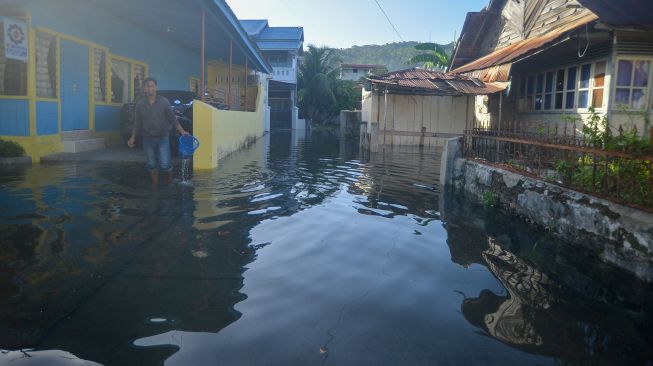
356,71
67,66
417,107
282,48
561,58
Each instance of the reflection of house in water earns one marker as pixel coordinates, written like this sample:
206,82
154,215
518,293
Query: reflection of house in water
540,313
507,318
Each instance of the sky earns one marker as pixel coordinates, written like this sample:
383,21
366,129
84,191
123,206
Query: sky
345,23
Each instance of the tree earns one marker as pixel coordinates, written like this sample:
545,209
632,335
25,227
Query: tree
435,58
317,82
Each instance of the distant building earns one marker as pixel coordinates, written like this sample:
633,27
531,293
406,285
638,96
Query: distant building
281,47
356,71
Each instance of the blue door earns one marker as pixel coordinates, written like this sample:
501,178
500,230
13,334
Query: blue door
74,86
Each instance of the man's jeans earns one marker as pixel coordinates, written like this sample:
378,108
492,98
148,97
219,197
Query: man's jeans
157,150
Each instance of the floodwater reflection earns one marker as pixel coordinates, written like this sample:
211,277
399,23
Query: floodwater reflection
297,251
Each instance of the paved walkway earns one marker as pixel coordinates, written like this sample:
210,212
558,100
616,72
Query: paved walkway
110,154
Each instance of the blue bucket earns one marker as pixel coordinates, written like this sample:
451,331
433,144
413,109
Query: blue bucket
187,145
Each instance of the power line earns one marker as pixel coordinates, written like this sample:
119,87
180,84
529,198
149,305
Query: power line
389,21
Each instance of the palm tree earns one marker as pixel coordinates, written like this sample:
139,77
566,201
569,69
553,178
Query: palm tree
317,81
435,58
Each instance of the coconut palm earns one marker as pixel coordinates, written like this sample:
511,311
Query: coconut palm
317,81
436,58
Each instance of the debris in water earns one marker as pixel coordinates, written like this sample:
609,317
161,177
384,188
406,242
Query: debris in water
224,233
323,350
200,253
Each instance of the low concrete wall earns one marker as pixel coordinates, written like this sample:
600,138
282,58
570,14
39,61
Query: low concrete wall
617,234
222,132
451,151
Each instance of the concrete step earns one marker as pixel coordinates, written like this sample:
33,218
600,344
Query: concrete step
77,135
76,146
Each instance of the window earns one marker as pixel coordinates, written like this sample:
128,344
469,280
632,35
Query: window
570,94
599,84
99,75
548,90
139,77
539,99
355,71
584,85
46,65
13,73
565,88
530,86
560,88
632,83
120,75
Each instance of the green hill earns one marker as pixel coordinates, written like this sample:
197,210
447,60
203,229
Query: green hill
391,55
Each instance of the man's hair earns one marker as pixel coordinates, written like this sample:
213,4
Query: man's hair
147,80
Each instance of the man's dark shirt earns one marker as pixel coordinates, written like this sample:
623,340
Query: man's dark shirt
154,120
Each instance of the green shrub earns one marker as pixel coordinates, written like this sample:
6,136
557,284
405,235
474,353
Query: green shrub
10,149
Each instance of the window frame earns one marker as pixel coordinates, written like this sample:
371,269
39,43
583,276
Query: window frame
647,89
529,106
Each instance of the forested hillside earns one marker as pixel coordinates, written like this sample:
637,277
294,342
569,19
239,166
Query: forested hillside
391,55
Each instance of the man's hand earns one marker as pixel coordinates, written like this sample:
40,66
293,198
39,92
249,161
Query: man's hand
132,141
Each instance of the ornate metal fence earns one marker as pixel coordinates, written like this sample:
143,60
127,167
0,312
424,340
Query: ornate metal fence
617,167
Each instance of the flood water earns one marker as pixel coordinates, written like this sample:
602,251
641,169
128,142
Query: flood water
296,251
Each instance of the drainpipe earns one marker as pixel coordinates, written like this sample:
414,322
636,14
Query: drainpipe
231,45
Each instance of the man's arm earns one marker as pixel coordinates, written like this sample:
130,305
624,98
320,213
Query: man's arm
138,125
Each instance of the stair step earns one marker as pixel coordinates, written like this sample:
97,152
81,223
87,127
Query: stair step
76,135
76,146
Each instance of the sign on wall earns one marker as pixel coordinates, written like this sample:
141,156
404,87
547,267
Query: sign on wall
15,39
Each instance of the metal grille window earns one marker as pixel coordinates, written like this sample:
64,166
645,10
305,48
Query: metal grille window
120,76
632,83
570,94
13,73
539,99
46,65
99,75
139,76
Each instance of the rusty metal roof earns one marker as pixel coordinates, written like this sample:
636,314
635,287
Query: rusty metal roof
522,49
420,81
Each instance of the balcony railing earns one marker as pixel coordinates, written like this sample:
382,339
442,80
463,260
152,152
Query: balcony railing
287,74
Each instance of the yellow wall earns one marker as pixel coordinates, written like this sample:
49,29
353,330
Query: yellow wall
38,146
222,132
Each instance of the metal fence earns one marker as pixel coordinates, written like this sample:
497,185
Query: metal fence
618,167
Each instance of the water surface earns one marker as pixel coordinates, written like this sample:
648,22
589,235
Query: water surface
297,251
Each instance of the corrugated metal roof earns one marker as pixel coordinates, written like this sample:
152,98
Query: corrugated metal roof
420,81
254,26
519,50
281,33
636,13
279,45
362,66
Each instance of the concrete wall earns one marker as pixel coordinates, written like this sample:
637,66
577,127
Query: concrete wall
222,132
406,116
617,234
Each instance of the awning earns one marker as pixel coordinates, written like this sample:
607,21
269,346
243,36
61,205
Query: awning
496,65
179,22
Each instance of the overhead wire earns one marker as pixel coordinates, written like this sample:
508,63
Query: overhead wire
389,21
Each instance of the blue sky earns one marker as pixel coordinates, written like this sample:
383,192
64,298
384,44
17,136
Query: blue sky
344,23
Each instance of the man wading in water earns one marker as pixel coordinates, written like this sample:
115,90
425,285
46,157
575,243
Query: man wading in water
154,119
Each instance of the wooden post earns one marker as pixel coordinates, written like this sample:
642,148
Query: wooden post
202,56
231,43
245,83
